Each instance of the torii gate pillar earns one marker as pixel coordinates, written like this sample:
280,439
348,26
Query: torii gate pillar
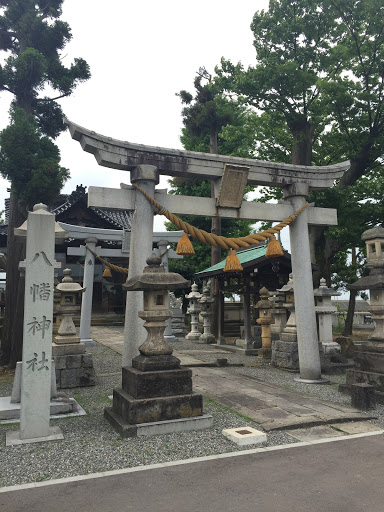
86,300
147,177
308,347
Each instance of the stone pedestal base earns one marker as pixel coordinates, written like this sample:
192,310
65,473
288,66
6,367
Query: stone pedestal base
154,389
178,324
363,396
13,438
193,336
330,347
265,353
369,369
285,352
207,338
74,368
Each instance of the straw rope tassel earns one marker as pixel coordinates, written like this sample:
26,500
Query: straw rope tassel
232,263
184,246
274,249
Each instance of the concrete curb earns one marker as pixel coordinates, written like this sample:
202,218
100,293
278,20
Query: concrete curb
185,461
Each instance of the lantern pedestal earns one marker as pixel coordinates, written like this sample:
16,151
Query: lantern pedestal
155,389
369,357
156,394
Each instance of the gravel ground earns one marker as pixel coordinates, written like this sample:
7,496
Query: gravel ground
91,445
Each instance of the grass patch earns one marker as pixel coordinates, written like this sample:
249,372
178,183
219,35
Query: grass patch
209,401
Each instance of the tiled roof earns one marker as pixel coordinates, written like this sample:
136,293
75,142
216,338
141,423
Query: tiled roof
245,256
120,219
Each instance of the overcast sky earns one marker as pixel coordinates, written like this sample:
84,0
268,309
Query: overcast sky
141,54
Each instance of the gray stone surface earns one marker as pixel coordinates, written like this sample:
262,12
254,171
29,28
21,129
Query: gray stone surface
363,396
38,316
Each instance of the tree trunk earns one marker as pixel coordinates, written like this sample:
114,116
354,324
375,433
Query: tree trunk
350,313
302,143
12,339
352,303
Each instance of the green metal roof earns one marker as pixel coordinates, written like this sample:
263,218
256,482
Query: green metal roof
244,256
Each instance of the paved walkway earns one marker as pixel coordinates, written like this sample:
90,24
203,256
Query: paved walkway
340,476
273,407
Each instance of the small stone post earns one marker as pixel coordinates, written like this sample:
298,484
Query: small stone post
194,310
206,303
37,335
264,306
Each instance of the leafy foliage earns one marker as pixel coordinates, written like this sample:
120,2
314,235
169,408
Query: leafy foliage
318,80
31,161
33,37
204,117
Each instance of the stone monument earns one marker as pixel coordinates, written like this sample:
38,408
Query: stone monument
156,394
37,332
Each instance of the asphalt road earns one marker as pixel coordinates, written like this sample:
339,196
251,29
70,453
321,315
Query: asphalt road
337,476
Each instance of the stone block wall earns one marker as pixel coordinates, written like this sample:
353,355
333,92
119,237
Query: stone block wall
285,352
74,370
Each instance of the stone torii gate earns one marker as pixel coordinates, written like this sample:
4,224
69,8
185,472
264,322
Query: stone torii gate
228,174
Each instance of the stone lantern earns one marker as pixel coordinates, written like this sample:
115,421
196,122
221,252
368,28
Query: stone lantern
156,394
67,308
369,357
324,310
74,367
265,308
289,304
279,313
206,303
194,310
285,350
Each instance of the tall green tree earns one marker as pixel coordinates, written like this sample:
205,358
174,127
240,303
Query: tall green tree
204,116
32,37
319,68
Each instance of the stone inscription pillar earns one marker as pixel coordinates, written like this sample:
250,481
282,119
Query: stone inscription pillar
309,358
37,330
86,301
147,177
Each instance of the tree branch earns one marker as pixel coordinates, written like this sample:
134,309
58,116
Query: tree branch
54,99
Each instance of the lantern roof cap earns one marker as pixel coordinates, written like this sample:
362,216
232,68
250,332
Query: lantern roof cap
324,291
67,284
370,234
154,277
